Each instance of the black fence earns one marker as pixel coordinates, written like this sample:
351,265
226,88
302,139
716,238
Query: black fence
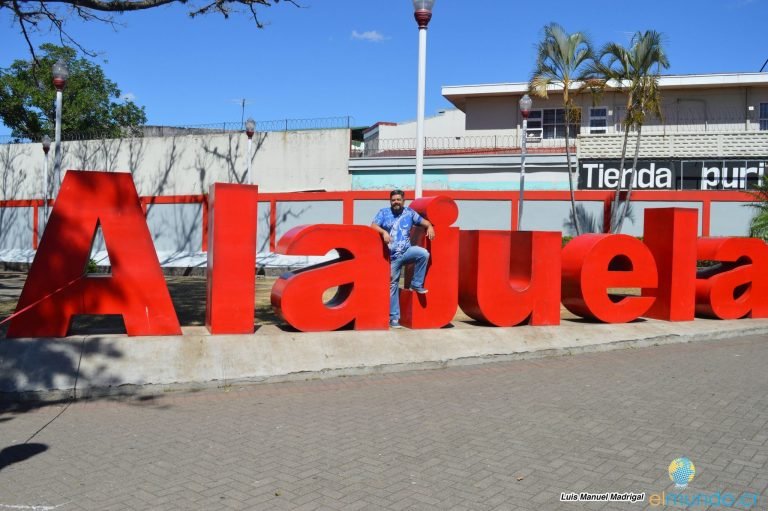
323,123
464,145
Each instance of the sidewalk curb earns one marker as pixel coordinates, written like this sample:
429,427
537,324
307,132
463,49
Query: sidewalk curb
203,362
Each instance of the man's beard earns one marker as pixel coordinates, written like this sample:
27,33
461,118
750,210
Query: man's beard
396,209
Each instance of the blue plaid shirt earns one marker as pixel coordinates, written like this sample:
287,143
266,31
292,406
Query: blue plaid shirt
399,228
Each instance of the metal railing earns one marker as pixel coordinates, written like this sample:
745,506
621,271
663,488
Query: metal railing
322,123
343,122
677,120
695,120
456,146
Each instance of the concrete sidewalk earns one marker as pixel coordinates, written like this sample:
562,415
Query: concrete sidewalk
109,364
96,364
501,436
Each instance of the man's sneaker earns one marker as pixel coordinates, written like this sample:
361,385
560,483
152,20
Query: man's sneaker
419,290
394,324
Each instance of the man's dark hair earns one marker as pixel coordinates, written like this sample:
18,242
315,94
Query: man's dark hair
397,192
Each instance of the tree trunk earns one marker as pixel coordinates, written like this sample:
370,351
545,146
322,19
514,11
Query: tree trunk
570,174
615,208
631,179
627,126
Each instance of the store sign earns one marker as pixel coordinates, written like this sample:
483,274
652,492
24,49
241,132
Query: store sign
672,174
500,278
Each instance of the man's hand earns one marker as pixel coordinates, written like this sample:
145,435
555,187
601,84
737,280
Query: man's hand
384,234
431,232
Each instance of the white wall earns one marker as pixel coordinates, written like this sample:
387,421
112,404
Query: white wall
189,164
702,109
494,113
449,123
752,144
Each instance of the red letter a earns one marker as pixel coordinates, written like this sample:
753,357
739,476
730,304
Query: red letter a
361,274
739,287
507,278
57,289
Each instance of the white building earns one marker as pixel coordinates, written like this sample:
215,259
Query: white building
704,118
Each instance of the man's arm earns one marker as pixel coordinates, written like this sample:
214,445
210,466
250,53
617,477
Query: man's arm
430,229
384,234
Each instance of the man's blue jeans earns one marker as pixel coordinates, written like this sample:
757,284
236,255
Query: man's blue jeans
420,257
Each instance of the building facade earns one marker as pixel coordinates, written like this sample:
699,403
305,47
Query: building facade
709,146
712,136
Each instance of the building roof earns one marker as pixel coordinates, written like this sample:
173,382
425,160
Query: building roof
376,126
457,94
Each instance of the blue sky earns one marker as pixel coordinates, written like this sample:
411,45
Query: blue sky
358,57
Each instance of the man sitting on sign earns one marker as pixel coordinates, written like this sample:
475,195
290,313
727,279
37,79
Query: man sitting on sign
394,224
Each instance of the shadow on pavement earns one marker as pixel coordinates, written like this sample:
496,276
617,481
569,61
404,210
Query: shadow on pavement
18,453
40,363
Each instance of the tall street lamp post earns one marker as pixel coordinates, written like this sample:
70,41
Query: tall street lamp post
422,11
46,148
250,129
525,110
60,75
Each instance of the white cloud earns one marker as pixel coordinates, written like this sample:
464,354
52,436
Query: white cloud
128,96
372,36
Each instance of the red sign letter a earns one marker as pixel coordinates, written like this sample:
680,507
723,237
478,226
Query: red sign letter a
361,274
57,288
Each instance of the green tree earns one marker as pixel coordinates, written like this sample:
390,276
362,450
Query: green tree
564,61
635,71
91,101
758,228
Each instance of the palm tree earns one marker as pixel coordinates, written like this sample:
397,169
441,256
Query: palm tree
634,70
758,228
563,61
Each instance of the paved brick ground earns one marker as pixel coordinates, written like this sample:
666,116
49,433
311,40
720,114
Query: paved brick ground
499,436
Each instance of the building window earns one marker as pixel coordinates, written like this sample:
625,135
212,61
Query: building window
550,123
553,123
764,116
598,119
534,123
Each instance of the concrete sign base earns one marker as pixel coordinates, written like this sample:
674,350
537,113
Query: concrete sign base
97,365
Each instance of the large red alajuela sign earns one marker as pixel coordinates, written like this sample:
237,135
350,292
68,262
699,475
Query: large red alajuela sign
497,277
